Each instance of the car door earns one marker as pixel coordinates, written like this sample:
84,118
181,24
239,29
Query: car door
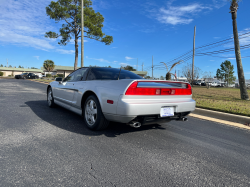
33,76
64,91
79,86
29,76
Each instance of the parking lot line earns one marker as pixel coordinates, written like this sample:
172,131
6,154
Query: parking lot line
238,125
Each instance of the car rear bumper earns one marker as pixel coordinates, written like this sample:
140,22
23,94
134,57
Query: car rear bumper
129,109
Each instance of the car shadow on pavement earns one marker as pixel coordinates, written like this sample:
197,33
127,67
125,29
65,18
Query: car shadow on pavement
67,120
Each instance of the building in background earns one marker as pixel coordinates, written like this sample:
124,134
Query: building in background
66,70
17,71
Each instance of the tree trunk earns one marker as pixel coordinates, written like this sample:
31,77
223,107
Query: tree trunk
243,88
168,76
76,52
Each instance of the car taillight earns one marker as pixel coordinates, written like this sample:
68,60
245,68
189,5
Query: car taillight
134,90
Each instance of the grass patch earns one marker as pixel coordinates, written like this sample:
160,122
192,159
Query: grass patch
221,99
44,80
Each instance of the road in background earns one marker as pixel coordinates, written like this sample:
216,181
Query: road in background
40,146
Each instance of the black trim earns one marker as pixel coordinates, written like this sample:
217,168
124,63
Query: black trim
68,89
67,103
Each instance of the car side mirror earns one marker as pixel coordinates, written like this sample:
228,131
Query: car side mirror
58,79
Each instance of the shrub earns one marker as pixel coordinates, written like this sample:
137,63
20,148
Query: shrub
9,75
1,73
60,75
48,75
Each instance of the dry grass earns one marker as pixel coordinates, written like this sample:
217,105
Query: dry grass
221,99
44,80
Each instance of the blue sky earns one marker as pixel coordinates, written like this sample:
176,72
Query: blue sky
141,29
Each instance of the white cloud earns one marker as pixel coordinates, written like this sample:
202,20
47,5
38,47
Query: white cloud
79,41
175,15
25,23
129,58
124,64
98,59
219,3
37,57
63,51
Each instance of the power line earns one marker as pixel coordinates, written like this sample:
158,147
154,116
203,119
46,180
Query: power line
224,50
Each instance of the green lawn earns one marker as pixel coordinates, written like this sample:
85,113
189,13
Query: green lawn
221,99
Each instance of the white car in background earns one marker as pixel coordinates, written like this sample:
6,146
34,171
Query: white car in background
39,75
231,85
214,84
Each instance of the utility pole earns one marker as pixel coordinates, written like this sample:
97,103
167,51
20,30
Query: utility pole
142,66
137,65
82,35
193,56
152,67
229,68
7,62
178,74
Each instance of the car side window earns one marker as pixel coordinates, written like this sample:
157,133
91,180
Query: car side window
76,75
80,74
69,78
91,75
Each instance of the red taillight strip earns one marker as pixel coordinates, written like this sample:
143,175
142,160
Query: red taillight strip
134,90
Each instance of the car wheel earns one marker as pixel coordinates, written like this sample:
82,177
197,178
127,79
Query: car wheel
93,116
50,98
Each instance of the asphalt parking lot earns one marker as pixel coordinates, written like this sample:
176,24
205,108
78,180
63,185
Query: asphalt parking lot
40,146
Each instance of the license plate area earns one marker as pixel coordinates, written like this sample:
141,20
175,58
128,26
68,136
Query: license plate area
167,111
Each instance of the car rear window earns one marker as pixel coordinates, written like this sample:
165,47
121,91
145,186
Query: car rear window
111,74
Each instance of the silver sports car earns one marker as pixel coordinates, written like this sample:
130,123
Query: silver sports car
102,94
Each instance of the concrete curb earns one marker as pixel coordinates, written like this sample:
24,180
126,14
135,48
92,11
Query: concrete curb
223,116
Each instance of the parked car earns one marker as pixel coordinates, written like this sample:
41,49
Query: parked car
203,83
231,85
39,75
214,84
26,76
196,83
101,95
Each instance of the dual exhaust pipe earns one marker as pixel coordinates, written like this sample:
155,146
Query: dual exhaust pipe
137,124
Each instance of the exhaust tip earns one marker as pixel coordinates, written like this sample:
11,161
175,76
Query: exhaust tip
135,124
182,119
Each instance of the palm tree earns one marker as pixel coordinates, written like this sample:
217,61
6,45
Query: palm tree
243,89
168,75
49,65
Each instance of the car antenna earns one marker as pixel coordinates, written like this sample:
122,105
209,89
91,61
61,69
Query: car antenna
119,72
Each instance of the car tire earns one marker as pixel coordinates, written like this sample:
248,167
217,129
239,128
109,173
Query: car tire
92,114
50,98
